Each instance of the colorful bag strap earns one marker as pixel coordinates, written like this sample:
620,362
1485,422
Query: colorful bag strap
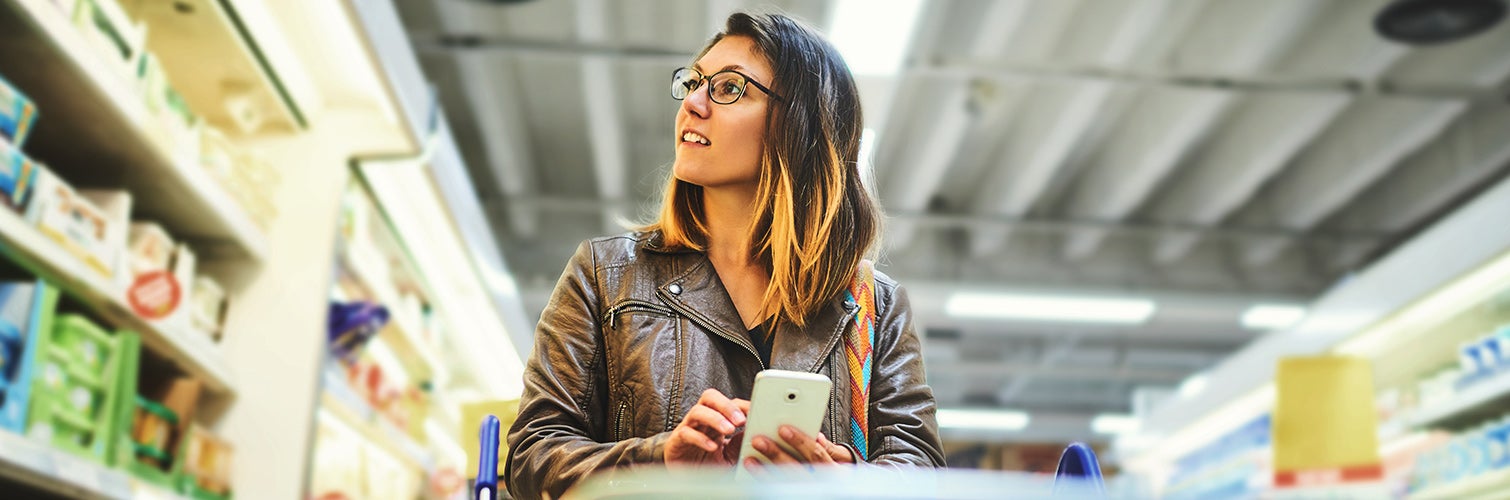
857,351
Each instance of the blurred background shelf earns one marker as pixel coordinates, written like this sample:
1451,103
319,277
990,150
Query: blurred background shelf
1494,485
194,353
54,471
340,401
93,130
1471,405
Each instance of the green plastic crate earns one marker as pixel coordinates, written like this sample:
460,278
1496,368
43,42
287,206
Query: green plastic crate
76,390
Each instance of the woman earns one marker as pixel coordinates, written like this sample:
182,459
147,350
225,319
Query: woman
652,340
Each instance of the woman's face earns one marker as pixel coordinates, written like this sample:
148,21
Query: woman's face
734,133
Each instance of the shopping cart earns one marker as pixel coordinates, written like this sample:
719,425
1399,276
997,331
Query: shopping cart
486,486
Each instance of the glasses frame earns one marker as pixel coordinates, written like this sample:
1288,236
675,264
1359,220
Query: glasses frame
706,82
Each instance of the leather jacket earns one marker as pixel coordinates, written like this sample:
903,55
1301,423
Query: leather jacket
635,332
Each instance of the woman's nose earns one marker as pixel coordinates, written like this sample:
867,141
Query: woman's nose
697,102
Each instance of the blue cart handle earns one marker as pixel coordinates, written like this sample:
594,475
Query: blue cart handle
486,487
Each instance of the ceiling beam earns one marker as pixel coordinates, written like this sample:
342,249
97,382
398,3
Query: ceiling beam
921,169
1373,137
489,84
1138,160
1026,171
1049,359
604,114
1266,135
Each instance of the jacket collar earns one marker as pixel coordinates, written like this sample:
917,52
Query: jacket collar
698,294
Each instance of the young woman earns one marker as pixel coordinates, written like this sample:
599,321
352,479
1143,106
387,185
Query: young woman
651,341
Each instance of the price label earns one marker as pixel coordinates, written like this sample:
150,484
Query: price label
155,295
76,471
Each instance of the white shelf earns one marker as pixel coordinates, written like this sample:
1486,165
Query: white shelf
1465,407
92,129
194,353
1495,485
342,402
58,472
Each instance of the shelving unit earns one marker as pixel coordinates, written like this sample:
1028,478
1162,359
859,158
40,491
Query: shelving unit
193,353
343,403
1494,485
90,112
55,471
1473,404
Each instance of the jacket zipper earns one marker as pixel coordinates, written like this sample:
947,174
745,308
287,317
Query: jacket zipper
635,305
618,421
742,340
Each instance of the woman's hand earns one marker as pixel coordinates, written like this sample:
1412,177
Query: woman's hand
815,451
709,433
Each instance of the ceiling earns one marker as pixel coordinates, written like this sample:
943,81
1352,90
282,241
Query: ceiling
1207,154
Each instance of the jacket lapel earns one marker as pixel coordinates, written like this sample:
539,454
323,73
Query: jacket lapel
697,293
808,348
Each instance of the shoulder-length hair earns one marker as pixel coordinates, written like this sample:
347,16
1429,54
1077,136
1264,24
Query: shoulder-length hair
813,219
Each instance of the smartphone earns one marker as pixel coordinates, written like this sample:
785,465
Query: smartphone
798,399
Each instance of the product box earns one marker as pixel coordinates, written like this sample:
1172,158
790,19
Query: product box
207,307
207,464
26,310
115,204
73,221
16,114
107,27
18,175
76,391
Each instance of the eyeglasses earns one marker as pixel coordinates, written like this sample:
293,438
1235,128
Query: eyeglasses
725,86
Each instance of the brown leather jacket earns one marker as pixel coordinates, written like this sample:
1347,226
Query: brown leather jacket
635,332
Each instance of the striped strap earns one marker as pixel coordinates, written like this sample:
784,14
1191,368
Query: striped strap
857,351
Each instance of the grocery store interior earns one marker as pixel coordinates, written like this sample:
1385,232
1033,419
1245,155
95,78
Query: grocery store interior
292,249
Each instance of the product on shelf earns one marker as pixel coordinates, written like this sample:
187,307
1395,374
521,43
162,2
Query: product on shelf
115,204
26,310
76,389
174,124
151,430
16,114
151,248
73,221
207,464
351,324
104,24
18,174
208,307
162,272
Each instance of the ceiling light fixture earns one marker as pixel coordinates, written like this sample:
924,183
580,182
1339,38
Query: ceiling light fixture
1050,308
1115,424
1427,22
1272,316
993,420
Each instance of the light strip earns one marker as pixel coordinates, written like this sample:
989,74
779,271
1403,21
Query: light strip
1050,308
996,420
1272,316
1463,293
873,35
1115,424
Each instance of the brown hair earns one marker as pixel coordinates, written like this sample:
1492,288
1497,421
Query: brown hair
813,220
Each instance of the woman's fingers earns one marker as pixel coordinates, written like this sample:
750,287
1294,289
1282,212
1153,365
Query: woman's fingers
838,453
774,453
729,408
696,438
809,449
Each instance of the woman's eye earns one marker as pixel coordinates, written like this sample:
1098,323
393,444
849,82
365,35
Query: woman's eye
728,88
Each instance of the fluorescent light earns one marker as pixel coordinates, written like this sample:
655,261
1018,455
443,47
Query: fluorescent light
873,35
1272,316
996,420
1193,385
1115,424
1049,308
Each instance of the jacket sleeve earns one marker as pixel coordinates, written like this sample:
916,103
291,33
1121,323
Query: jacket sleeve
904,429
556,439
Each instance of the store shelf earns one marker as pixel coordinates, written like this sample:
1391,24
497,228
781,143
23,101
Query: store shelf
92,128
1472,405
1493,485
345,405
57,472
402,332
194,353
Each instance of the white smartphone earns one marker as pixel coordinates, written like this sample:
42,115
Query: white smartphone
798,399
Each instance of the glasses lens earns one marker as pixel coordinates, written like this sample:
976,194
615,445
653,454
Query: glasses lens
683,82
727,87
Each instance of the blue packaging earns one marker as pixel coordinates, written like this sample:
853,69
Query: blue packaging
17,175
16,114
1489,353
1499,444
